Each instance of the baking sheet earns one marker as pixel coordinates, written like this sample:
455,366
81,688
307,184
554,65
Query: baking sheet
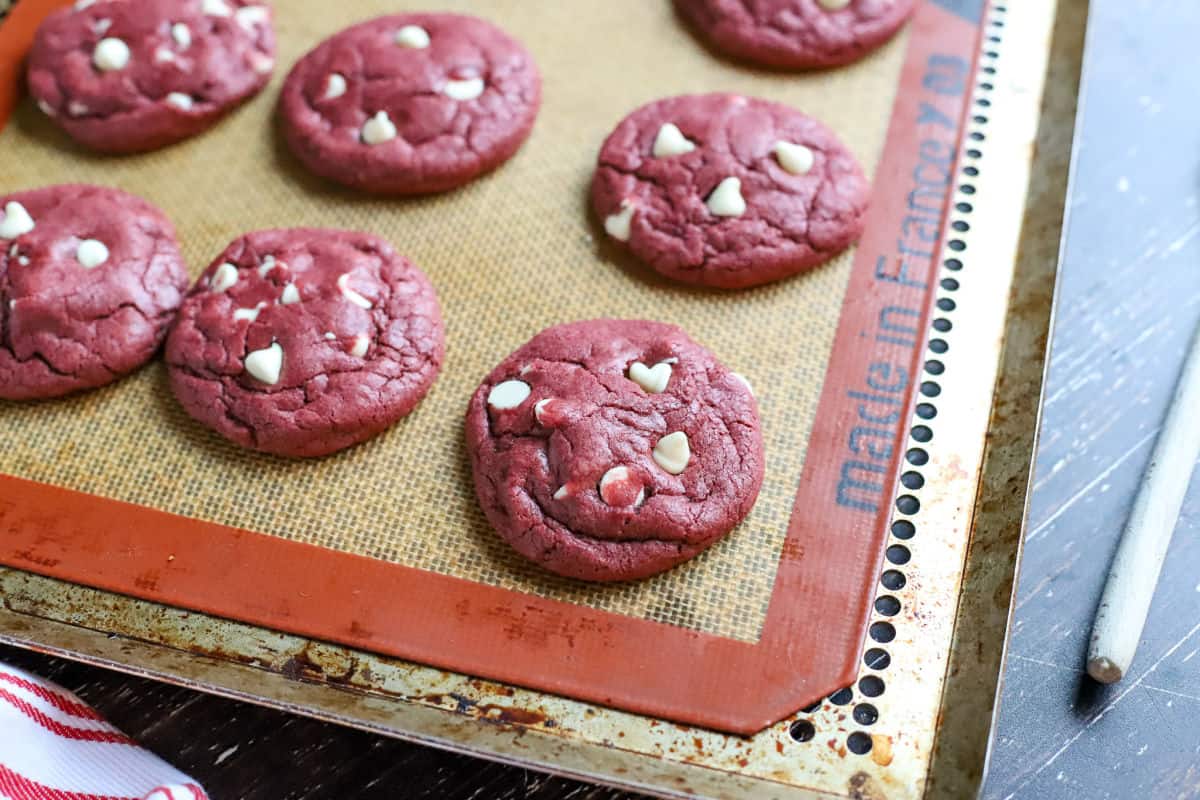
509,255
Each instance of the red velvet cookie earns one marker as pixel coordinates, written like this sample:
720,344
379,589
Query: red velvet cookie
123,76
411,104
301,342
728,191
610,450
90,278
796,34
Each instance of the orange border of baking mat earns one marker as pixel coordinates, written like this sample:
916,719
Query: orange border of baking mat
821,600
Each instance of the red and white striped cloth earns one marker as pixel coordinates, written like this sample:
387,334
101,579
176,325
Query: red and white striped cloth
53,746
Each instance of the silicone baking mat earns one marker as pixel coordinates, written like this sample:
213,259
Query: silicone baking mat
383,546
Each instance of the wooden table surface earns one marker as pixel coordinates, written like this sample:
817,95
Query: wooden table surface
1129,301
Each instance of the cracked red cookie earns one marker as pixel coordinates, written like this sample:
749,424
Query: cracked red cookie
301,342
728,191
411,104
90,278
796,34
121,76
610,450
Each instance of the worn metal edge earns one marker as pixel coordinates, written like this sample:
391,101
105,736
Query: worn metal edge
1089,56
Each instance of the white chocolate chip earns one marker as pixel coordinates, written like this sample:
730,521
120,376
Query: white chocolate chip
80,5
225,277
508,395
671,142
742,379
361,343
100,26
182,35
653,379
266,364
726,200
795,158
162,55
833,5
673,452
261,63
378,129
23,261
335,86
561,493
268,264
413,36
91,253
539,408
250,314
46,108
216,8
610,485
467,89
290,295
620,225
180,100
110,54
348,293
330,335
76,109
16,221
250,16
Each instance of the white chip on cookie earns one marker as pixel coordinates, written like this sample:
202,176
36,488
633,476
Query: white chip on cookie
289,295
182,35
264,268
539,410
250,17
726,200
110,54
76,108
330,335
508,395
265,365
742,379
795,158
216,8
361,343
614,486
91,253
673,452
343,285
46,108
670,141
620,225
225,277
163,55
261,63
16,221
466,89
561,492
653,379
183,102
378,129
413,36
335,86
249,314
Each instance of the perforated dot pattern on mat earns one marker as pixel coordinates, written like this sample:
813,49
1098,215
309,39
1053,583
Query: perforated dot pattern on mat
509,255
